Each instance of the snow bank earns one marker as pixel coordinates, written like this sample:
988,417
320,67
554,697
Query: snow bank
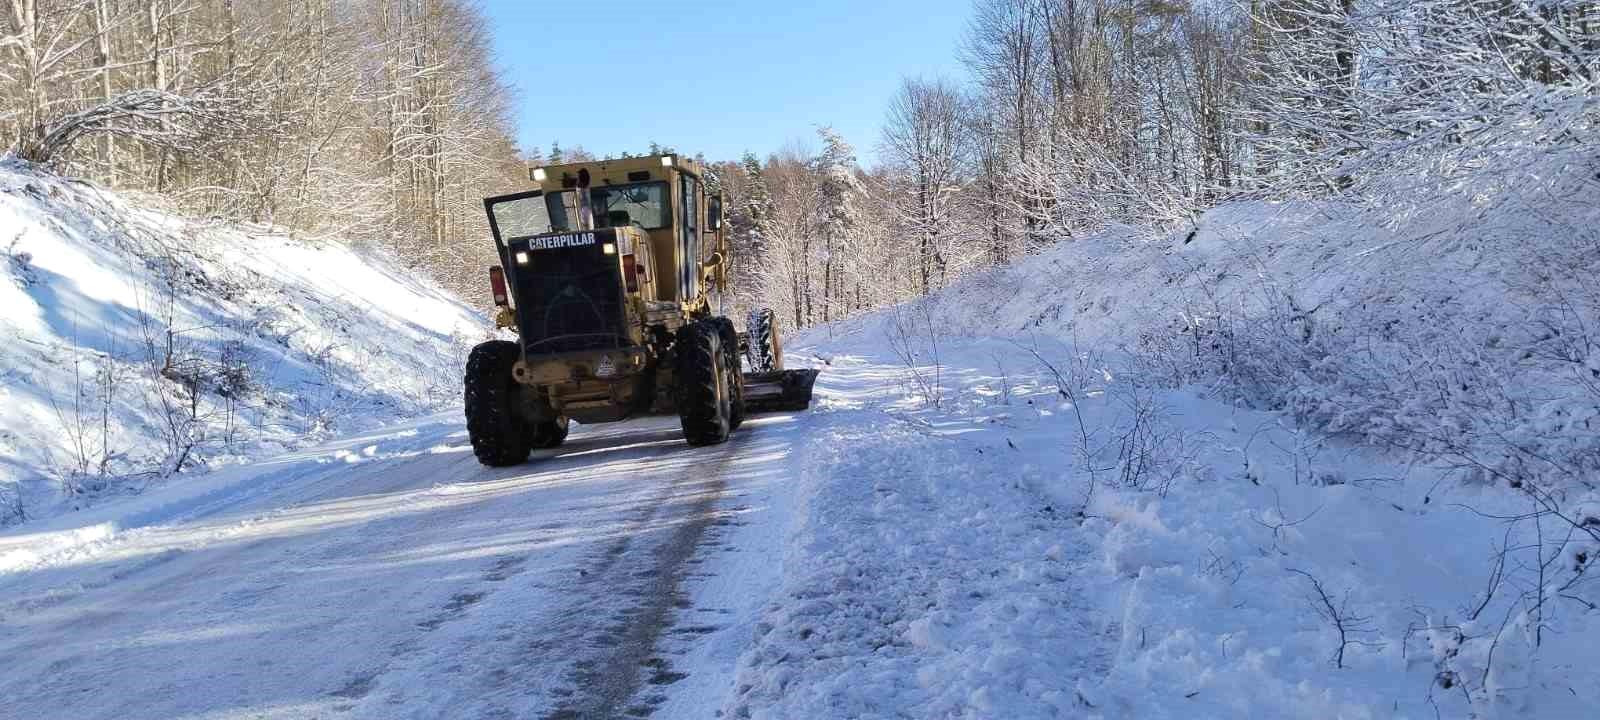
1284,466
138,343
1465,333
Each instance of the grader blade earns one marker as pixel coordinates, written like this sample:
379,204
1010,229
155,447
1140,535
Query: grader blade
778,390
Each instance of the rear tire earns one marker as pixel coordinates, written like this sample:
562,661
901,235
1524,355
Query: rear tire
766,350
704,402
550,433
499,436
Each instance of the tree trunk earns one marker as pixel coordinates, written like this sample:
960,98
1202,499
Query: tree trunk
102,30
25,17
158,76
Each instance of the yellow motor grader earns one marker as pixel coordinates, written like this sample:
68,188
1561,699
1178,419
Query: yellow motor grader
609,271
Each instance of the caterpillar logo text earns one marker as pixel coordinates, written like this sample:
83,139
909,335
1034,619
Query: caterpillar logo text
561,241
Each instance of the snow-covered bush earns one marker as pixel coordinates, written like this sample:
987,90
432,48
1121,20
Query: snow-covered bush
1475,348
914,339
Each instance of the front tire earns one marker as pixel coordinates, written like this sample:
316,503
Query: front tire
704,402
499,436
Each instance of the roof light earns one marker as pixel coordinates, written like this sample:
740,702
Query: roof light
538,175
666,161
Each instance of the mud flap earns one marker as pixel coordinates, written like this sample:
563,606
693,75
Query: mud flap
778,390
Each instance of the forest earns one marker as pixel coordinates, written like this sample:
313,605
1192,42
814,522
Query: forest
384,122
1079,114
379,123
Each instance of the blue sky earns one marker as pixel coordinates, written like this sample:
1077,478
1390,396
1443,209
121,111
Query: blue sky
716,76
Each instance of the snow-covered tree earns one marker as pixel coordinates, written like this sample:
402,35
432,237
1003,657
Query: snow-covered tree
838,195
377,121
924,149
757,205
1395,98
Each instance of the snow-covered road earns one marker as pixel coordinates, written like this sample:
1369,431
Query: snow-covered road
392,576
953,541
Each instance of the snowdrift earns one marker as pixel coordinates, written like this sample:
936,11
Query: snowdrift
1301,461
140,346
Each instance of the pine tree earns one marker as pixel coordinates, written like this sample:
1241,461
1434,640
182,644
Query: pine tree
757,207
839,217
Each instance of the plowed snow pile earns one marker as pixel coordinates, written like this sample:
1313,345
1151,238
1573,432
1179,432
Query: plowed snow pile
1296,464
140,347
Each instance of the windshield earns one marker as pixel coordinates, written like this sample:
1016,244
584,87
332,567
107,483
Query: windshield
642,204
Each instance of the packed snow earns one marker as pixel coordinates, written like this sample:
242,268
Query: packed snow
387,575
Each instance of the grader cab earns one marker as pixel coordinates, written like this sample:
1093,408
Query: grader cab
609,274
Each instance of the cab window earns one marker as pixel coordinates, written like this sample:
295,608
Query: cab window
641,204
689,238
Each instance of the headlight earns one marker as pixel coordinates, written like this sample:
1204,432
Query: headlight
522,258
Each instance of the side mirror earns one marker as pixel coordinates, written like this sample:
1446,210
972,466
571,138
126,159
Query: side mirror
714,213
712,270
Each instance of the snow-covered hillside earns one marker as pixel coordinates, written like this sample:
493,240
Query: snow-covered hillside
1216,475
140,347
1467,333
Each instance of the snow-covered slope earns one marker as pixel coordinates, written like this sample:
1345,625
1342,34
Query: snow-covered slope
1466,334
1218,475
138,343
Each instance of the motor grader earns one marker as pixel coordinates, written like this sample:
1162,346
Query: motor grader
609,271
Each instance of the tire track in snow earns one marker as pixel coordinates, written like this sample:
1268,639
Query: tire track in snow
613,672
490,521
581,641
387,681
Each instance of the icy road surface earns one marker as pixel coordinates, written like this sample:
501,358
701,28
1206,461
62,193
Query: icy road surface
392,576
